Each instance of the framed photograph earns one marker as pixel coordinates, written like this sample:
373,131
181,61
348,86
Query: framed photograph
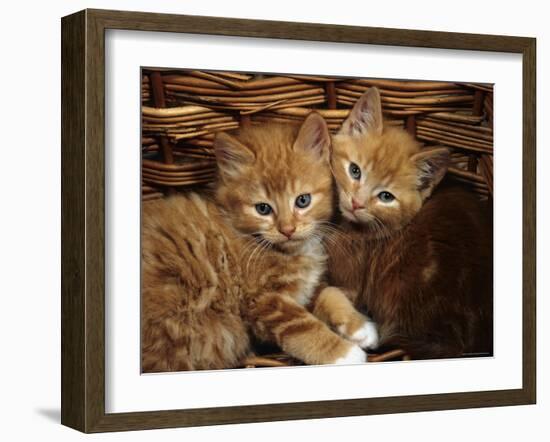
267,221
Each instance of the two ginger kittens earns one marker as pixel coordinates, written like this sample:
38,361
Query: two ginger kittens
261,257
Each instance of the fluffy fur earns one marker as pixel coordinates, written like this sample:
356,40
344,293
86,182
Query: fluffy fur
217,274
420,263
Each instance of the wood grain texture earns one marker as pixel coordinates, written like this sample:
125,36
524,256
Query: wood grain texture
83,218
73,127
529,220
95,221
145,21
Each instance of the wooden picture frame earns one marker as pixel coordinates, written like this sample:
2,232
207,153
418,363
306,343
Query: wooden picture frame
83,220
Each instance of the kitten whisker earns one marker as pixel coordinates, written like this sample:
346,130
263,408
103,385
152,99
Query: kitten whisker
266,246
250,243
329,236
247,248
263,246
332,229
250,257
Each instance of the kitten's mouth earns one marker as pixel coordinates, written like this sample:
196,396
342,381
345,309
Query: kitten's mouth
290,241
290,244
348,214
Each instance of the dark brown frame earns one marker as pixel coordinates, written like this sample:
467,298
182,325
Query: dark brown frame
83,216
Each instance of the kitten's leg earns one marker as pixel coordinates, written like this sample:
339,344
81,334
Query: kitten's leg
299,333
334,307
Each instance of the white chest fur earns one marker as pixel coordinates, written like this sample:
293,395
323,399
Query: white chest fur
314,268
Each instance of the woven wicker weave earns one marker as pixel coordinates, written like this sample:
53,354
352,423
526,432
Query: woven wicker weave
182,110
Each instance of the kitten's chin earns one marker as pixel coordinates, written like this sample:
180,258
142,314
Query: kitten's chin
366,225
290,245
372,230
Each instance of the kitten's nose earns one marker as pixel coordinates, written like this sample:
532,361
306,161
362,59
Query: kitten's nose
356,205
287,230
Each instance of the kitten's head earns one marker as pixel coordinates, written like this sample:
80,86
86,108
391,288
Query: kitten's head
275,181
382,174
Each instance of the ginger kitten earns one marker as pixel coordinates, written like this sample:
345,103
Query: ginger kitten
244,261
419,260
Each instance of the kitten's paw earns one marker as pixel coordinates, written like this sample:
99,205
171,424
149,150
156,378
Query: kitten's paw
354,356
366,336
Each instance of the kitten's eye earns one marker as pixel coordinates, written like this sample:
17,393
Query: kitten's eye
303,200
263,209
354,171
386,197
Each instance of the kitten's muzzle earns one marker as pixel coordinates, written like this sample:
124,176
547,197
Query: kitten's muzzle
348,214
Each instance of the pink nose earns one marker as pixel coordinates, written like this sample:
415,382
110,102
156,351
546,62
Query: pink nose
287,231
356,205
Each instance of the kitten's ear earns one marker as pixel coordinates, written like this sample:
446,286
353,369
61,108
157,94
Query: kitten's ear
366,115
314,136
431,165
231,154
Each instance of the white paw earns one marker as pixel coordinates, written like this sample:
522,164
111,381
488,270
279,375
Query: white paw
354,356
366,336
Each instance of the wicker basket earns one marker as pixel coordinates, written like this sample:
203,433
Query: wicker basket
182,110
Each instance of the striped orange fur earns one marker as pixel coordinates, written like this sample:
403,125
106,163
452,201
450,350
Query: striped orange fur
217,273
416,251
